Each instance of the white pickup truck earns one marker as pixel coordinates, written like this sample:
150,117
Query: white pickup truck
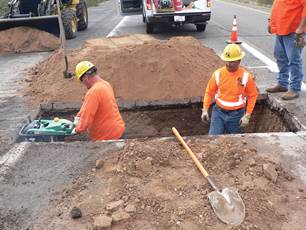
177,12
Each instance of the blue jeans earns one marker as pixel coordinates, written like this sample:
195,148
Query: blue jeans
225,121
289,62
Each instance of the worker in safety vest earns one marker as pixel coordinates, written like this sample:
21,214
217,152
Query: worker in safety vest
288,23
234,90
99,114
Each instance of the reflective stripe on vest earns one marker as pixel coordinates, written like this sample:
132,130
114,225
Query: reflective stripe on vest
241,100
217,77
245,78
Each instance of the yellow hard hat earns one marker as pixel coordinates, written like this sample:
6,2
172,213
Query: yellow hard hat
82,68
232,52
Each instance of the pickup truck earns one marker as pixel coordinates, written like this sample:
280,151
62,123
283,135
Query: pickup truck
174,12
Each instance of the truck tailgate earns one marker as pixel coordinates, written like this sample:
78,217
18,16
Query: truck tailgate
182,12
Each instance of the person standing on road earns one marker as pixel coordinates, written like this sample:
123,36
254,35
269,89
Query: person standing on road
288,21
231,86
99,114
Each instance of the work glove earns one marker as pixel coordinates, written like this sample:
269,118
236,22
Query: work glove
76,121
73,132
244,121
299,40
205,115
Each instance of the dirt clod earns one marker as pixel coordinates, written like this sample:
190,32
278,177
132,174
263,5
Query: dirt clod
130,208
102,222
114,205
270,172
145,165
120,215
99,164
252,163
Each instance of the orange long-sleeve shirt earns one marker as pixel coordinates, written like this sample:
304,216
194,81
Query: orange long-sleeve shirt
286,16
99,114
230,88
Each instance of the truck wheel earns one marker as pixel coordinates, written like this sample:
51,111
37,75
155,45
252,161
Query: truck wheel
150,28
70,23
201,27
82,15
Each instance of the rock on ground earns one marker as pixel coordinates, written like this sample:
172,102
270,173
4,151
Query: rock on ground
270,172
130,208
102,222
99,164
120,215
76,213
114,205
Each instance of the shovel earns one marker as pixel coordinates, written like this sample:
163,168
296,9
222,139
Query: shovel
66,73
226,202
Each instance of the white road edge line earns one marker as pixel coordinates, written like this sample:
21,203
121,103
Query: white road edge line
244,7
271,65
9,159
114,31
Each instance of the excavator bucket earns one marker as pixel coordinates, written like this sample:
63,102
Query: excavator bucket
49,23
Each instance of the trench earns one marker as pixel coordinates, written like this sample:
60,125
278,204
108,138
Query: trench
156,120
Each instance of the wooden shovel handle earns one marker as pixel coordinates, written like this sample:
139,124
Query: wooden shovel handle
191,154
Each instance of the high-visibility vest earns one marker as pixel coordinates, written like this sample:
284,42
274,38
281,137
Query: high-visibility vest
241,99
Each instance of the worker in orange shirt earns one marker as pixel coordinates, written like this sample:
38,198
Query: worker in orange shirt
288,22
99,114
233,89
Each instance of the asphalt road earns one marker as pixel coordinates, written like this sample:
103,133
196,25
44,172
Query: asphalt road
101,20
32,174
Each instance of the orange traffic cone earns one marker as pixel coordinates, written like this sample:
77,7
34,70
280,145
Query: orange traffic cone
234,33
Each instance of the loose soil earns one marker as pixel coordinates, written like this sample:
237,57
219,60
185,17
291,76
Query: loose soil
162,188
138,68
26,39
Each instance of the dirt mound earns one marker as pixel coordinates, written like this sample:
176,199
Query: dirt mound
153,184
26,39
154,70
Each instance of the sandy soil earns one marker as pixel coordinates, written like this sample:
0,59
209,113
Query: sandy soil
172,69
157,186
26,39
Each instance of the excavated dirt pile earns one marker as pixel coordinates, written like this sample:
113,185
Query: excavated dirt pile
26,39
153,184
142,70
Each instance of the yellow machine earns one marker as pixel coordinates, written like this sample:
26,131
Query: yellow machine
43,15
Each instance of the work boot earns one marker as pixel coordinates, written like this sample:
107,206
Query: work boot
290,95
276,89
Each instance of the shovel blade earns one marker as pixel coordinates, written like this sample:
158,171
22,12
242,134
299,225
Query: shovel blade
228,206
